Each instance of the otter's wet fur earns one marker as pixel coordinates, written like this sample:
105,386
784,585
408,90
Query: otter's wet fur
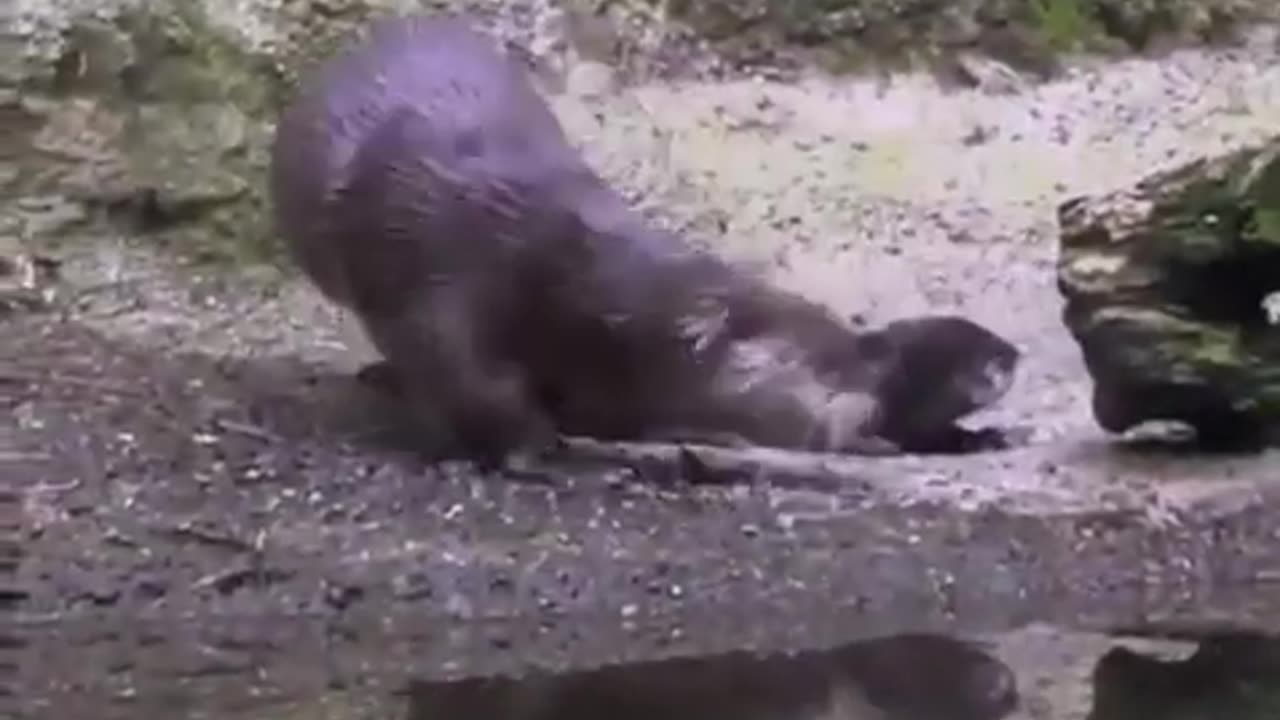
945,367
422,182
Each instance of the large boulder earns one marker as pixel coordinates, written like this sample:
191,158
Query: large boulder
152,119
1168,287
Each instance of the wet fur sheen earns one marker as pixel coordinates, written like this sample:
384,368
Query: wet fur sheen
421,181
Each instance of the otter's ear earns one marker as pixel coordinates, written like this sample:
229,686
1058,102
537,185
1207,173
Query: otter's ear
858,320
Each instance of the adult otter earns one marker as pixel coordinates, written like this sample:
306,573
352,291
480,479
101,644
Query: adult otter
421,181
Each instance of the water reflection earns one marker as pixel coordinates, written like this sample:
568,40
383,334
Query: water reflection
1228,676
1033,673
904,677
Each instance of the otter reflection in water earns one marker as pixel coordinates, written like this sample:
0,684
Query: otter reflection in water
904,677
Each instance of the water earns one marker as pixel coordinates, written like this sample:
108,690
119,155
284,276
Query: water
981,616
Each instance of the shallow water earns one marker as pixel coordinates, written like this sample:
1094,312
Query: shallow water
292,667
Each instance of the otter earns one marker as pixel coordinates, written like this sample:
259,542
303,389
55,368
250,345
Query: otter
422,182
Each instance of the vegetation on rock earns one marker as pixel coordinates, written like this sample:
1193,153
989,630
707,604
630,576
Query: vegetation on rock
152,117
1167,289
1027,34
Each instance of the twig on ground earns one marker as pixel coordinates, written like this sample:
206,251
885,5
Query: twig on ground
207,537
247,430
705,464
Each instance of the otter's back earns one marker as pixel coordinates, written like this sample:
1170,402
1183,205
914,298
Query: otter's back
449,73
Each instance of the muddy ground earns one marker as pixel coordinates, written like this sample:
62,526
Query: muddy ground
215,513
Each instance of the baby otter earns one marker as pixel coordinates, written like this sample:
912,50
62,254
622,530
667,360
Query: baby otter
422,182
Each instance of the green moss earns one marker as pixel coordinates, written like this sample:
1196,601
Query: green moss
1262,229
181,57
187,110
1067,25
1265,228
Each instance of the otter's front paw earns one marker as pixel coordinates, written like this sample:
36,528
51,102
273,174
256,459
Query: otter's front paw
381,376
998,438
955,440
497,436
872,446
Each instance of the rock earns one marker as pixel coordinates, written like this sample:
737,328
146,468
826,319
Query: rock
1029,36
1167,288
988,75
150,116
156,116
590,80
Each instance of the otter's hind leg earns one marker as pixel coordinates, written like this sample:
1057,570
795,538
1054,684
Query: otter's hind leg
462,398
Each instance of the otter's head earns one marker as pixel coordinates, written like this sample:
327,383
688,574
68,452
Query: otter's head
944,367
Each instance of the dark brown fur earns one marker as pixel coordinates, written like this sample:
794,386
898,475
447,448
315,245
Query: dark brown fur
945,368
422,182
